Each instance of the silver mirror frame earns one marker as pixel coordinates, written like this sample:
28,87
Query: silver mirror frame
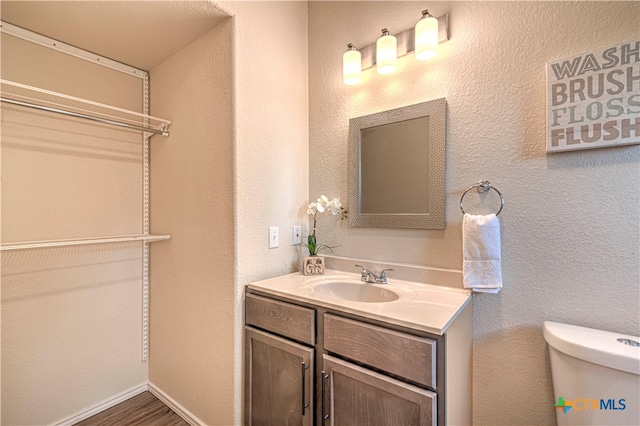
434,219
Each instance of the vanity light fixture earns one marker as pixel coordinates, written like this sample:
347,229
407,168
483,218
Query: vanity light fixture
426,37
423,39
351,65
386,53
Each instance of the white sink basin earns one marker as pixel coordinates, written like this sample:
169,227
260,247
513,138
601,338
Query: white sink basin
355,292
415,304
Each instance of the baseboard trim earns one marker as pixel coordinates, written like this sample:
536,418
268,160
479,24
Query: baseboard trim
101,406
186,415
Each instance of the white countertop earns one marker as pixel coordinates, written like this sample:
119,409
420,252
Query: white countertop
419,306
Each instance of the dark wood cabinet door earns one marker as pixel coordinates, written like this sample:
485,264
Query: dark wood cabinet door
355,396
278,381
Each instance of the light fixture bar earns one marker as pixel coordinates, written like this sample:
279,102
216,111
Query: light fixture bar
406,43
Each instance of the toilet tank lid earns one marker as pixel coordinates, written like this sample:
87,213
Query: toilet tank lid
596,346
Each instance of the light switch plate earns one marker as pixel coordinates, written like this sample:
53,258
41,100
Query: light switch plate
274,238
297,234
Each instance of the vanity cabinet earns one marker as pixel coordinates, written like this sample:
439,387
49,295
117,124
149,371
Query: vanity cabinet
279,371
279,380
307,364
354,395
357,395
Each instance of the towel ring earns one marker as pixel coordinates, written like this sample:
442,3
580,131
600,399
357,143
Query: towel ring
483,186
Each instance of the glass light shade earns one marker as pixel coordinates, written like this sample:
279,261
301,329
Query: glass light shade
351,67
426,38
386,53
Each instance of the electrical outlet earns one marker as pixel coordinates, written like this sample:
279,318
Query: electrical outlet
297,234
274,238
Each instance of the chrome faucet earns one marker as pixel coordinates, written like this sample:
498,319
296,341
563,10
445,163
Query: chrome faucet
366,274
373,277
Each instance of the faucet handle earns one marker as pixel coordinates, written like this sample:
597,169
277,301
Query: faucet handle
383,276
364,272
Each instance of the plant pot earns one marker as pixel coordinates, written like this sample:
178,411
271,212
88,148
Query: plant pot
313,265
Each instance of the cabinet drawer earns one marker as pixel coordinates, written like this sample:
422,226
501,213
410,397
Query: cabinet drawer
357,395
285,319
401,354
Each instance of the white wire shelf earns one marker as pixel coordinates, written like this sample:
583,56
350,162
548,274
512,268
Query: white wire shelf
47,100
82,241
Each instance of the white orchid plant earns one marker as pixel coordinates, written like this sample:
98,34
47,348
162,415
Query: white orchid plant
321,205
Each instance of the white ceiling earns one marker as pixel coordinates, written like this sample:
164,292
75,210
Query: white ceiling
137,33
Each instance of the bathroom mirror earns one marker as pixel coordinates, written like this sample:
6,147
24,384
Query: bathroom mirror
396,167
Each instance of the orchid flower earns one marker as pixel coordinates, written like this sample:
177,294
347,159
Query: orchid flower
335,206
321,205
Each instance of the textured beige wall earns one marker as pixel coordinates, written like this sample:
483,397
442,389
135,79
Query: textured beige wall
271,140
258,101
192,279
71,316
271,122
570,226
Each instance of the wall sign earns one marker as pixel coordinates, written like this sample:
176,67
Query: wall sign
593,99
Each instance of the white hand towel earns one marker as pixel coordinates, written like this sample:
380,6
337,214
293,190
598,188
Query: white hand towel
482,265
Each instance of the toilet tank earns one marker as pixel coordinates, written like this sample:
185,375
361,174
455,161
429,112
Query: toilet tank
596,375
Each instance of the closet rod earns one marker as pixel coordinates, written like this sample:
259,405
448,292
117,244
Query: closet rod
82,241
84,116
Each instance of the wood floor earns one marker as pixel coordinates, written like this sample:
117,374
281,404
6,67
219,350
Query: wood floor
141,410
